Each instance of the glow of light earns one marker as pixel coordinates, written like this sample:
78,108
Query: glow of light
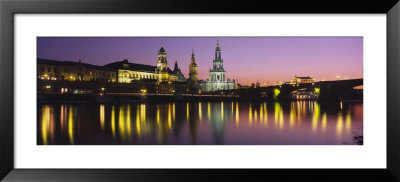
209,110
187,111
315,116
169,117
299,111
237,114
121,122
62,117
276,93
173,111
113,121
222,110
200,114
317,90
138,131
341,105
255,115
102,116
277,111
348,122
158,115
142,112
265,114
70,126
292,115
250,115
339,125
324,121
232,108
45,123
128,120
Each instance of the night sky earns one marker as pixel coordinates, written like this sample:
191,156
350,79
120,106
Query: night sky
249,59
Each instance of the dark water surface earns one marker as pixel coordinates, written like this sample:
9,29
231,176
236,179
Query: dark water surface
201,123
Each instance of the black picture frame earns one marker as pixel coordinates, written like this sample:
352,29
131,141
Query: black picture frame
9,8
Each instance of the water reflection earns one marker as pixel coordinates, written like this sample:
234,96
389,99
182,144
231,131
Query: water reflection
302,122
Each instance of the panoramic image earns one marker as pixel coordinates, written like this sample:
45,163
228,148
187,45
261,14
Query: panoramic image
199,90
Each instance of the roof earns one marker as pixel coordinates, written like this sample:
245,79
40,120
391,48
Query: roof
162,50
107,67
70,63
304,77
133,66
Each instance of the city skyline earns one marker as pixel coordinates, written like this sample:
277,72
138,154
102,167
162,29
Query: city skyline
249,59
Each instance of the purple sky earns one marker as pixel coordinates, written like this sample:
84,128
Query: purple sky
249,59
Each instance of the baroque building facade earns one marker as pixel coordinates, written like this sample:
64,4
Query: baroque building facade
302,80
128,72
217,75
73,71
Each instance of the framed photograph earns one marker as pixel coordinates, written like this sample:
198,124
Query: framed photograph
102,90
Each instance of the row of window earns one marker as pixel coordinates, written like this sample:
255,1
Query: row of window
66,70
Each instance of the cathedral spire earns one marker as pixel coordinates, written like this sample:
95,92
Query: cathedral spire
176,65
217,51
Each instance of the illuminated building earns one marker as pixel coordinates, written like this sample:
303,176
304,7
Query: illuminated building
193,70
217,80
302,80
128,72
304,94
193,82
73,71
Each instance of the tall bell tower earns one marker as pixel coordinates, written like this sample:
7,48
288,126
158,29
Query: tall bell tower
217,73
162,64
193,70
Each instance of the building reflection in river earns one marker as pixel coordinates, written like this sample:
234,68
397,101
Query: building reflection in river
235,123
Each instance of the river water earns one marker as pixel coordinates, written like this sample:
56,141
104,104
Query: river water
201,123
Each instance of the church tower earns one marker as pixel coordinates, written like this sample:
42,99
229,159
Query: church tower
217,80
193,70
217,73
162,65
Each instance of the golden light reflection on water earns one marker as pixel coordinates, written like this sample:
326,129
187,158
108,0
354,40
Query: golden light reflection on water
128,121
292,115
158,114
209,110
45,123
277,112
187,111
113,121
70,125
324,121
63,117
339,124
348,122
102,115
169,117
200,114
121,123
173,111
265,114
250,115
237,115
138,129
316,114
158,120
222,110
